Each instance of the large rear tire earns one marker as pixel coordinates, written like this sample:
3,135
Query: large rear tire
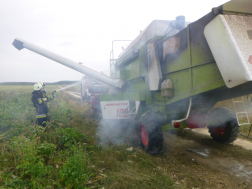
222,125
151,136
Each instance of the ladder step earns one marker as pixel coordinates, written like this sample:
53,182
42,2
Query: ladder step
237,101
244,124
241,113
245,136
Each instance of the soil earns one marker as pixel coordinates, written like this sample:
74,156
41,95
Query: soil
239,142
216,165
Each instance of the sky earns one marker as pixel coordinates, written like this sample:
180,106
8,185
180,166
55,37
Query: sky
80,30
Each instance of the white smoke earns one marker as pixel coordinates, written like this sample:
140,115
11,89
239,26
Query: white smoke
118,132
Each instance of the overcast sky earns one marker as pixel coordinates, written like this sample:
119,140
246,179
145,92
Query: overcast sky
80,30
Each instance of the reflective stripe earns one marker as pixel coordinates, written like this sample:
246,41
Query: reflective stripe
45,99
40,101
40,115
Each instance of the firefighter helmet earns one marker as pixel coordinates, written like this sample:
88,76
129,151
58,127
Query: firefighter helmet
37,86
43,85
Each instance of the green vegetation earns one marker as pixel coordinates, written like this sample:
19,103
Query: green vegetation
65,154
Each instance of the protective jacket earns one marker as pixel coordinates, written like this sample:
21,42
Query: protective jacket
39,102
45,102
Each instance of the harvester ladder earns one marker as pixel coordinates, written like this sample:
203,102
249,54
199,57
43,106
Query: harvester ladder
239,113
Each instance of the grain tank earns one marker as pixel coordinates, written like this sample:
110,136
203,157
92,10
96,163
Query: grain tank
173,73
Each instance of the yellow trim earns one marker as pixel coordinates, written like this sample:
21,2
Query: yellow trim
41,116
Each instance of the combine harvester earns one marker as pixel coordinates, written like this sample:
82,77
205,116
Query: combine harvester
173,74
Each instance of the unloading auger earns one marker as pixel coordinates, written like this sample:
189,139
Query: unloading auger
173,73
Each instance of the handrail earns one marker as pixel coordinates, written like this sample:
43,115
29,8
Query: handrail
187,115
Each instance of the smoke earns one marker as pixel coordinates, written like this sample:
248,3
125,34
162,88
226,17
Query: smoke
118,132
128,131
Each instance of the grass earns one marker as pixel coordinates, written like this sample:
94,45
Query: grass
67,154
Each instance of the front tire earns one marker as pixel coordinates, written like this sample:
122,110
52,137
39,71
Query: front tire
151,136
222,125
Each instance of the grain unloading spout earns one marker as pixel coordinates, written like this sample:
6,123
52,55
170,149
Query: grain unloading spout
20,44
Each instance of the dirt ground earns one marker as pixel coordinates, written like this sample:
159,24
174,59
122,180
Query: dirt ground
216,165
246,144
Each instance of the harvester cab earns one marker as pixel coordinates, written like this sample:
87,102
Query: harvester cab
173,74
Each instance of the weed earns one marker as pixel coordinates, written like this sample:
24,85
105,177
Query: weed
75,172
35,157
70,137
46,150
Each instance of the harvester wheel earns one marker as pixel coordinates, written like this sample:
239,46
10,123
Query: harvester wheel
151,137
222,125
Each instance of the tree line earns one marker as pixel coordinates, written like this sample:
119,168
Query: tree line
32,83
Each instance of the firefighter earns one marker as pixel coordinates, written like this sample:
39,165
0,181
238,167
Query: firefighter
45,102
40,103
